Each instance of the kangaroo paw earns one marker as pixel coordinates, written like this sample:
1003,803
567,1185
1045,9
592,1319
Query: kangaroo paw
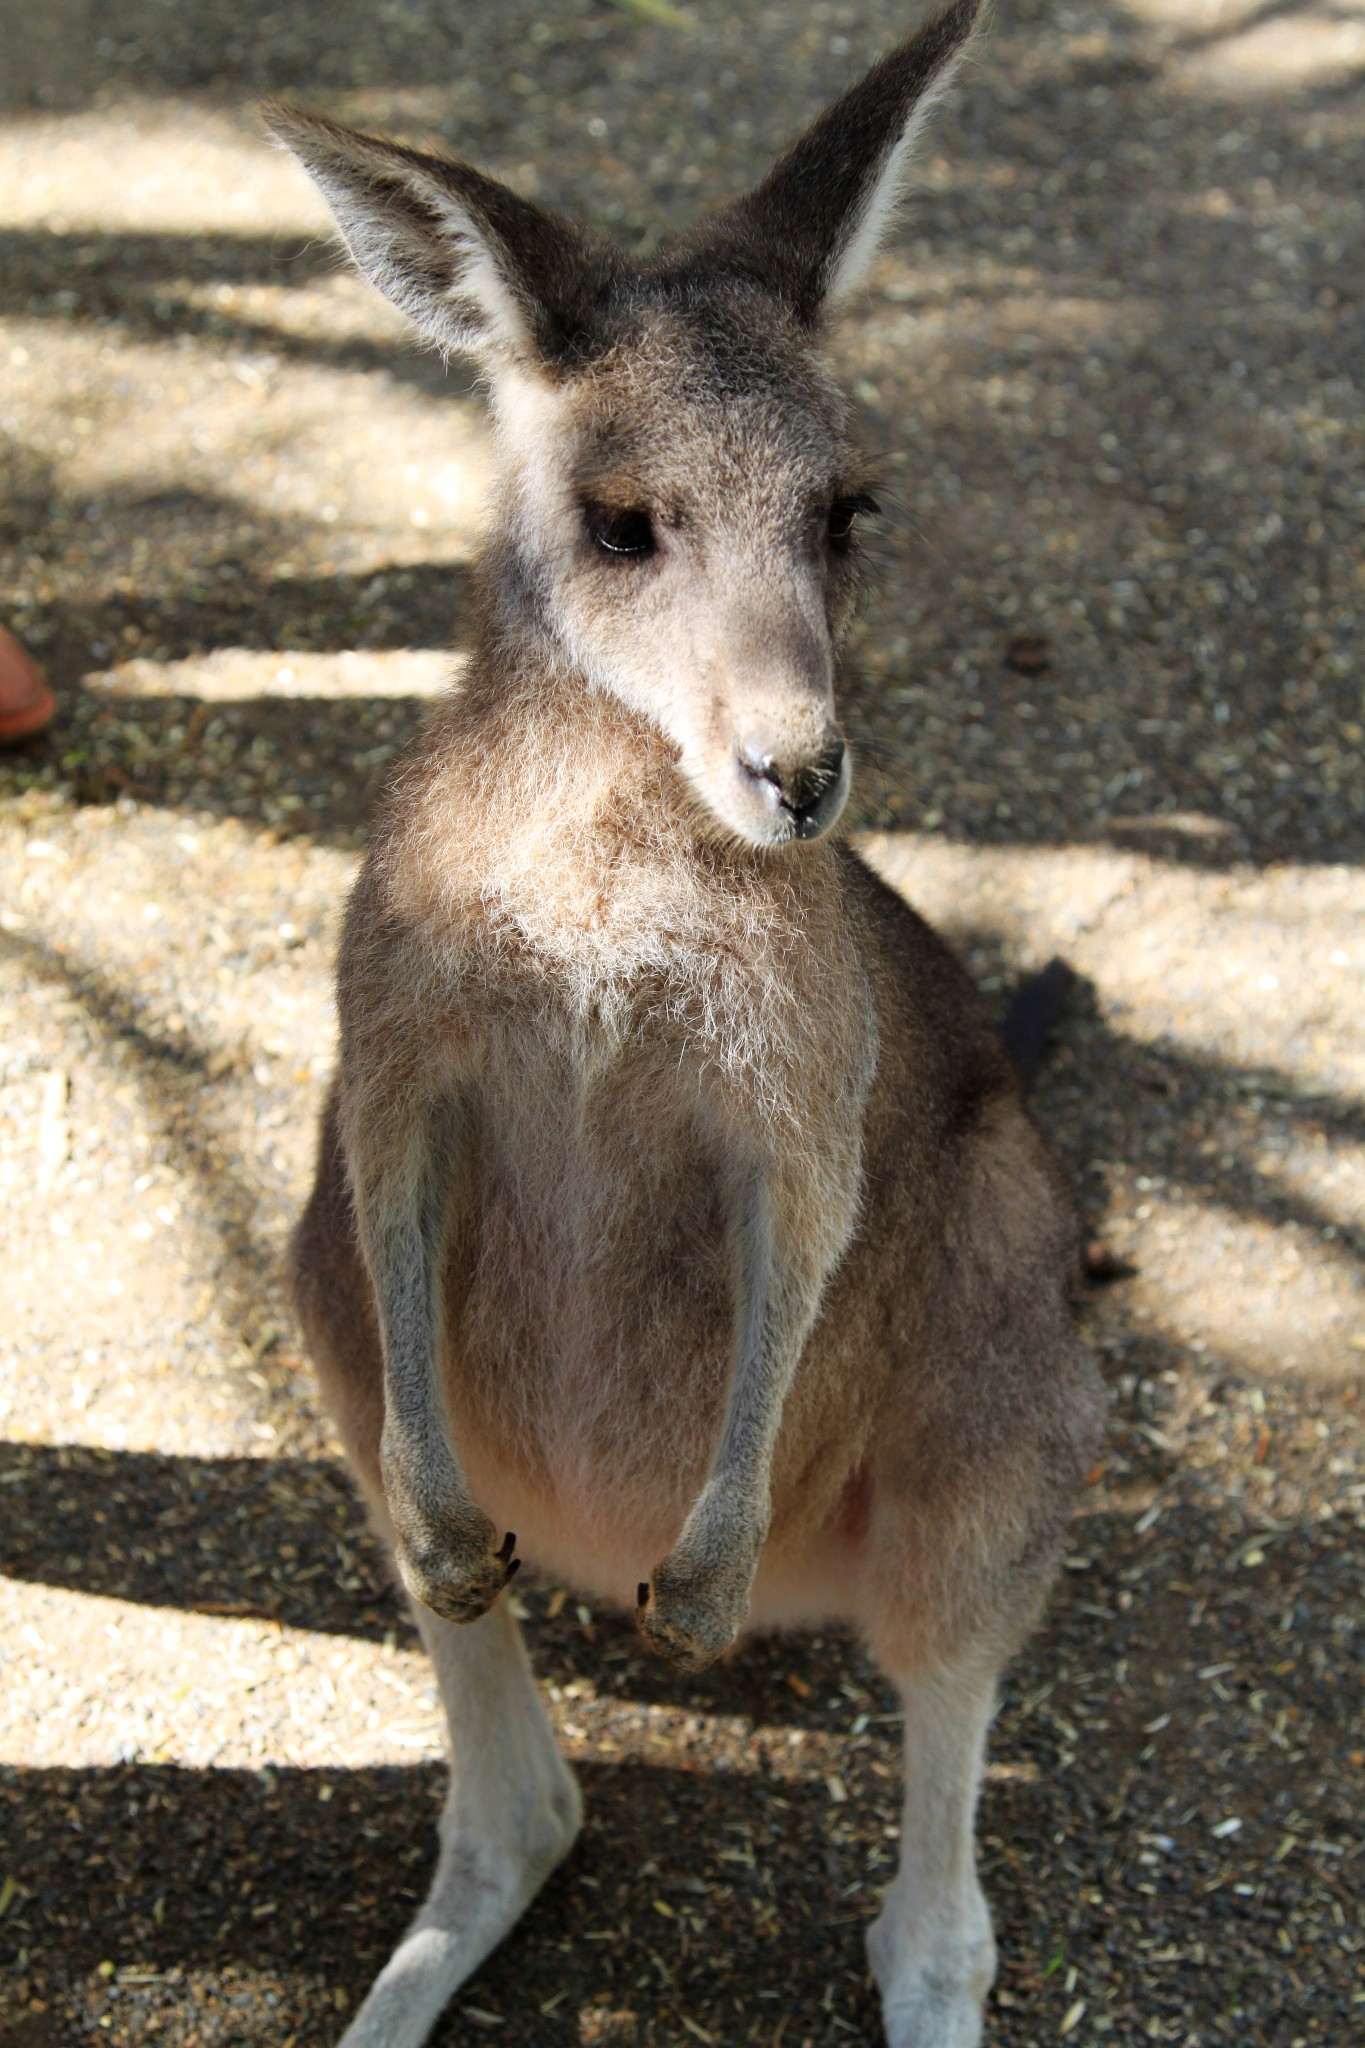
691,1616
455,1569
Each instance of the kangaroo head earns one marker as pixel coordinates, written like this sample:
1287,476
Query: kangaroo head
681,492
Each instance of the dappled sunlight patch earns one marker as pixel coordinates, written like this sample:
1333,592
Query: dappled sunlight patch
174,1115
226,675
336,308
1242,49
165,165
1196,19
1230,1067
1321,1173
1285,54
1267,1298
196,1689
929,310
1247,968
177,432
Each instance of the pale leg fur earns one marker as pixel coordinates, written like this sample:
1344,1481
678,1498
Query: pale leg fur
931,1947
512,1813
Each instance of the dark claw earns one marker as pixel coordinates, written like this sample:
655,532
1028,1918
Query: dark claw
509,1544
642,1594
513,1568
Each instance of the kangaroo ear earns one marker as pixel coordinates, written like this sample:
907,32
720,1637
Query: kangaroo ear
473,265
811,229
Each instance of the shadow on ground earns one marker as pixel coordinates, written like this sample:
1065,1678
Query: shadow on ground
708,1887
1136,444
1133,435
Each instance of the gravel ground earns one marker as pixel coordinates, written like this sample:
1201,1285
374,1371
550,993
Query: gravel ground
1109,704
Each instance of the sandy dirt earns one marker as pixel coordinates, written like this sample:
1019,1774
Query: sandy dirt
1107,703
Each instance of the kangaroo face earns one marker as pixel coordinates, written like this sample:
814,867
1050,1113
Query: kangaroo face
680,497
690,503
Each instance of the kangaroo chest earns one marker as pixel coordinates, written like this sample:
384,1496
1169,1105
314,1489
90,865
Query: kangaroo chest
626,1083
599,1154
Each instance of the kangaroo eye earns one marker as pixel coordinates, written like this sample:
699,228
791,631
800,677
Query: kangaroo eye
619,533
842,515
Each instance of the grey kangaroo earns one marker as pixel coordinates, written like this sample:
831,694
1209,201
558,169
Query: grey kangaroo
676,1206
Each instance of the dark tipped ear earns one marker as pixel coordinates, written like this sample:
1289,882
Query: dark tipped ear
473,265
812,228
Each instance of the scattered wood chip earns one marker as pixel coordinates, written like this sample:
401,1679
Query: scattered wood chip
1028,654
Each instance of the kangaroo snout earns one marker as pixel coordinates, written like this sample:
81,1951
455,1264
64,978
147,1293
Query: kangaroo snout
779,769
805,788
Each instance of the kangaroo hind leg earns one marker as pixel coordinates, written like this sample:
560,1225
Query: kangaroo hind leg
931,1947
512,1813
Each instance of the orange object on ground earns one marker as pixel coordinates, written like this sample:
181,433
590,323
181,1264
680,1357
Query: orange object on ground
27,705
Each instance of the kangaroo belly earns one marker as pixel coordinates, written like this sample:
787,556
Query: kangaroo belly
588,1322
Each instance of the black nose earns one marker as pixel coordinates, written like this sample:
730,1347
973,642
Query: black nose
804,789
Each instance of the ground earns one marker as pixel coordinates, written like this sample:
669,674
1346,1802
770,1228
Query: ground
1107,703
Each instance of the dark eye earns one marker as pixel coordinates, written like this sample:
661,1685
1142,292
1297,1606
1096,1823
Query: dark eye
619,533
842,515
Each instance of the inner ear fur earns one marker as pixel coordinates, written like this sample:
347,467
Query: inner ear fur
474,265
810,230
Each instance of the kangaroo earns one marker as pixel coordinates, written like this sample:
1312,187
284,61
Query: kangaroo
676,1204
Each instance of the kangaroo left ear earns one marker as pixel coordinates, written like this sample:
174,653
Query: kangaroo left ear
811,229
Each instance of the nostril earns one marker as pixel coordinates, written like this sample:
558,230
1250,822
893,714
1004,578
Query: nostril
756,759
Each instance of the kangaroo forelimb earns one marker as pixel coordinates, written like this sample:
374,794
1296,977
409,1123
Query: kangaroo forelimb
695,1604
447,1549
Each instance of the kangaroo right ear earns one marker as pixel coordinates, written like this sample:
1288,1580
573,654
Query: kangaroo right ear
474,266
810,230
